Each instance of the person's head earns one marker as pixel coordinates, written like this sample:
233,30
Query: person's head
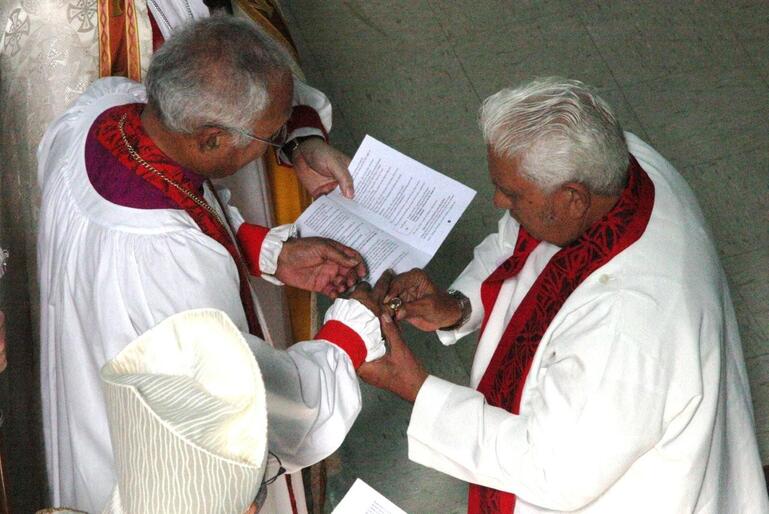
215,83
557,156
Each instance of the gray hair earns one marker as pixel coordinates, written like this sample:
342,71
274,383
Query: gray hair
214,72
561,131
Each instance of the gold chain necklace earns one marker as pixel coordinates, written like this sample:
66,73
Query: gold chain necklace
138,158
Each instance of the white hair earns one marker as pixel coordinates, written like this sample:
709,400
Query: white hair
561,131
214,72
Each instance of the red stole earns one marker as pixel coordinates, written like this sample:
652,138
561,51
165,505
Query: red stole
503,380
108,134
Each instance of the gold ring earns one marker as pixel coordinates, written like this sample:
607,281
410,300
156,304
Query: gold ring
395,303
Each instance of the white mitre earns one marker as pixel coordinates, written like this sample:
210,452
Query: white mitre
188,419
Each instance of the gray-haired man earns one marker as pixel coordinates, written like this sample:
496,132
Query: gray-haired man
608,375
132,231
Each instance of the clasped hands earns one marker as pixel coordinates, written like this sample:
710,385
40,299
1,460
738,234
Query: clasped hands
326,266
423,305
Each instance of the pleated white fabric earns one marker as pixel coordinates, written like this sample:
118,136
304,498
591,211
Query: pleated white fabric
188,421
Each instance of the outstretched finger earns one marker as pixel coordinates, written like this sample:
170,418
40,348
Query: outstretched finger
337,253
353,254
359,269
342,175
354,258
350,252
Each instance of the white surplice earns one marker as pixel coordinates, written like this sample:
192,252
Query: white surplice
108,273
49,57
637,399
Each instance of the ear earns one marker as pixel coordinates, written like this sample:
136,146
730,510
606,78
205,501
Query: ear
573,200
208,139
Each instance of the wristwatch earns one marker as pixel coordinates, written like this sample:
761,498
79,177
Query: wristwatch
464,304
290,147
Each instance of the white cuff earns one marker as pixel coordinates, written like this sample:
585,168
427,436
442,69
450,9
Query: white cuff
356,316
428,405
425,416
271,248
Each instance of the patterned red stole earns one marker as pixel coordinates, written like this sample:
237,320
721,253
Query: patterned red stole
503,380
108,134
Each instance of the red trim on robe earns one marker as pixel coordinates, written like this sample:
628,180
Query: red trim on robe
502,382
345,338
304,116
251,238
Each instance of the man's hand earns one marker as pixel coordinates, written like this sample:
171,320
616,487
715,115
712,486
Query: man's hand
425,306
373,299
411,286
398,371
320,168
319,264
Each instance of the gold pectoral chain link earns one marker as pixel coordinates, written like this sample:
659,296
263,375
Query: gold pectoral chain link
138,158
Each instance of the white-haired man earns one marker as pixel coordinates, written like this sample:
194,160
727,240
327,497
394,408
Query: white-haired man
132,232
608,375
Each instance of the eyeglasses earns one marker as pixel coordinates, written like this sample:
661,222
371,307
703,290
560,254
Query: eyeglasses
277,140
261,495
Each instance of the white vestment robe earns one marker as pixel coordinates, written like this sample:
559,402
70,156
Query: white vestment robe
50,55
637,399
108,273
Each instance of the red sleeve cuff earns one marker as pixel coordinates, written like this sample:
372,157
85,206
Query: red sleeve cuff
251,238
345,338
304,116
